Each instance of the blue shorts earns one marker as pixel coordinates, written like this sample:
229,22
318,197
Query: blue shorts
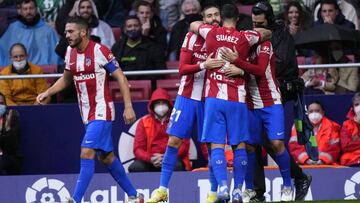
98,136
271,119
185,116
225,122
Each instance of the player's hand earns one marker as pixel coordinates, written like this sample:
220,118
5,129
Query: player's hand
232,71
42,97
229,55
129,115
211,63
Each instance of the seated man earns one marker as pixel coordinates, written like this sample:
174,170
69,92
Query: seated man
137,52
151,137
21,91
349,136
324,141
10,160
32,31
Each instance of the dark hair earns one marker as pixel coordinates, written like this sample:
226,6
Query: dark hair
229,11
25,2
318,103
17,44
142,3
264,7
209,5
333,2
78,21
299,8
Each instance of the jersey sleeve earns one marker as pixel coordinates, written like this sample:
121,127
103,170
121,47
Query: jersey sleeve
204,30
67,58
106,59
263,52
252,36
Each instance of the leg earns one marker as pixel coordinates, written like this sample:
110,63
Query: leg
87,168
240,168
142,166
169,161
117,171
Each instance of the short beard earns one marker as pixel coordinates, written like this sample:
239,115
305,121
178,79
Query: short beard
76,43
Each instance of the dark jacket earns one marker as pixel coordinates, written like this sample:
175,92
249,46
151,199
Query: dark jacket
177,37
157,32
339,20
145,56
10,138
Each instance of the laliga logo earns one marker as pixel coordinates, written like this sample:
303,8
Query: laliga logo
47,191
352,187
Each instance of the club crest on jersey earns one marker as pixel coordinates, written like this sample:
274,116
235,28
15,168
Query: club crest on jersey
87,61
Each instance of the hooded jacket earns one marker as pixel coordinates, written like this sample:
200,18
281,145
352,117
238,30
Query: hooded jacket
350,141
339,20
327,138
102,30
151,136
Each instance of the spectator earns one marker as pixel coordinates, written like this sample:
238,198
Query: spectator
331,13
32,31
325,139
10,160
349,136
137,52
21,91
169,12
295,17
151,137
113,11
151,25
191,10
320,80
348,77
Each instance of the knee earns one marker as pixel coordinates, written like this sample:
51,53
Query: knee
174,141
278,146
107,159
87,153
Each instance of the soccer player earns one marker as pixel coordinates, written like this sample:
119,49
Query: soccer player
88,64
189,106
267,112
225,100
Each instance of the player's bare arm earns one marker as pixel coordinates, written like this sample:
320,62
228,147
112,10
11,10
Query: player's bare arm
59,85
265,34
194,26
129,114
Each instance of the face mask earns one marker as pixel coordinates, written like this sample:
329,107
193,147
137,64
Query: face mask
18,65
161,109
357,110
2,109
133,34
315,117
337,54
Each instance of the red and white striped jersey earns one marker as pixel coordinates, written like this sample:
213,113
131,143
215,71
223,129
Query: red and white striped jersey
263,90
217,84
193,52
91,81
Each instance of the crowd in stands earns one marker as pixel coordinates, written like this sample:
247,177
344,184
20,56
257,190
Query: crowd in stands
152,32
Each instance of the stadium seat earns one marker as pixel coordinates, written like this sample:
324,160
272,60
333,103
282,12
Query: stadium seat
49,69
171,85
172,65
117,33
139,90
245,9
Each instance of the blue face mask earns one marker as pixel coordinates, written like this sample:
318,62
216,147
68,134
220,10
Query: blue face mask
133,34
2,109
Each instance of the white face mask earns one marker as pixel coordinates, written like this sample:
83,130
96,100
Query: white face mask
315,117
18,65
357,110
161,109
